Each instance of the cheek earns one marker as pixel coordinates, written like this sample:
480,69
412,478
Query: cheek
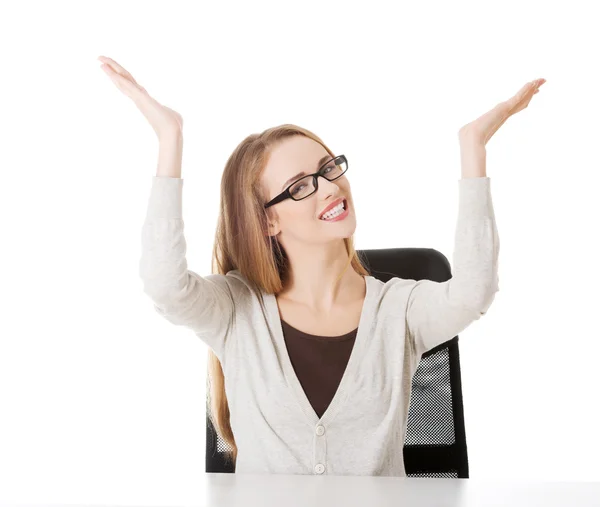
298,213
302,209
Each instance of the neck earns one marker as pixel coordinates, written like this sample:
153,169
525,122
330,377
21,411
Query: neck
322,278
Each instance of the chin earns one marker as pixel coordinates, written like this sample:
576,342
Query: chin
343,229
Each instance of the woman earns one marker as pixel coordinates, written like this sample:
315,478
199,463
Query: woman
318,357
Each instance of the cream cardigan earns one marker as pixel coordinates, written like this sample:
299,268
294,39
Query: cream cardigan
275,427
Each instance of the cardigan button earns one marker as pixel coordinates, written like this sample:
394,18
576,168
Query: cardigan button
320,430
319,468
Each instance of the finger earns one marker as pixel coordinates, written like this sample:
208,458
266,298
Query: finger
526,89
126,86
518,97
118,68
113,74
537,83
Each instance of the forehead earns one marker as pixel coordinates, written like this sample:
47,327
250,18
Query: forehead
290,157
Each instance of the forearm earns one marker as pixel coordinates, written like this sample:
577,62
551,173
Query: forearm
170,150
472,158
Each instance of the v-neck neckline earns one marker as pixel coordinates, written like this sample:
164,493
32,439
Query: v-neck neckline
349,373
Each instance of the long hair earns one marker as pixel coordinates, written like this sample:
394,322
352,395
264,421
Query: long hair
242,242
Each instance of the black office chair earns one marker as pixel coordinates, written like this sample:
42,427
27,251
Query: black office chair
435,444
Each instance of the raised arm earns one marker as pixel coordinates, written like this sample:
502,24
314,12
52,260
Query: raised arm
203,304
436,312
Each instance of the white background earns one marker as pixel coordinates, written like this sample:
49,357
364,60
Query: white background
101,400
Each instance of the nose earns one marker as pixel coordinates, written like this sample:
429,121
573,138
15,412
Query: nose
326,185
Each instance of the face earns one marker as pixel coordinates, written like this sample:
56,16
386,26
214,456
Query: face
298,221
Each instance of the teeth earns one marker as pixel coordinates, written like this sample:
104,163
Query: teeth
338,210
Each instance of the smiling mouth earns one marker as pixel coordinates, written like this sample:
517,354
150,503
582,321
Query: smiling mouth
344,210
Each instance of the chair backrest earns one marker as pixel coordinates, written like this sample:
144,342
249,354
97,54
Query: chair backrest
435,444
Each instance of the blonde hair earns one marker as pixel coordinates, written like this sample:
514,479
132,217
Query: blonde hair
242,242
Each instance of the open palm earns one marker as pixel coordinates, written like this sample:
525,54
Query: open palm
163,119
484,127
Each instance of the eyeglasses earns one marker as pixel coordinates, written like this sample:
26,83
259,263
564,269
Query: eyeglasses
308,185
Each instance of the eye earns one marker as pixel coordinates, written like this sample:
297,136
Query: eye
297,188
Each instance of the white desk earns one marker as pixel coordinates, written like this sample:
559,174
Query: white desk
249,490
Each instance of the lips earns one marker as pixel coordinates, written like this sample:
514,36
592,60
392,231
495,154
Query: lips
332,205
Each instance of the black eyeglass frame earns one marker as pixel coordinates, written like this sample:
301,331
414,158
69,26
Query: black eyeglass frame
286,194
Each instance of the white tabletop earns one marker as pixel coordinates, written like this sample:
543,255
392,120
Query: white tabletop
250,490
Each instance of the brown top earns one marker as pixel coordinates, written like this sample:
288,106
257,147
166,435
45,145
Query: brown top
319,362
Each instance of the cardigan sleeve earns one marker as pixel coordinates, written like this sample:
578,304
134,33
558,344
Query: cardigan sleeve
181,296
437,311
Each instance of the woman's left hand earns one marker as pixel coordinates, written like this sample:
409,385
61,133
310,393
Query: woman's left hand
484,127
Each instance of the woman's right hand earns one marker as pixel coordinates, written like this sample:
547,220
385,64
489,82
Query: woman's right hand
164,120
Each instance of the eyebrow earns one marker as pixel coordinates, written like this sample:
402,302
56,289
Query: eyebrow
322,160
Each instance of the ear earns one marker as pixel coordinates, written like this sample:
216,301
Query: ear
272,223
273,228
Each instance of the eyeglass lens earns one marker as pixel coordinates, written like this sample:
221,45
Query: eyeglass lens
306,186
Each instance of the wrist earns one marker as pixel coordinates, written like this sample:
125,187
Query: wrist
170,136
472,156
